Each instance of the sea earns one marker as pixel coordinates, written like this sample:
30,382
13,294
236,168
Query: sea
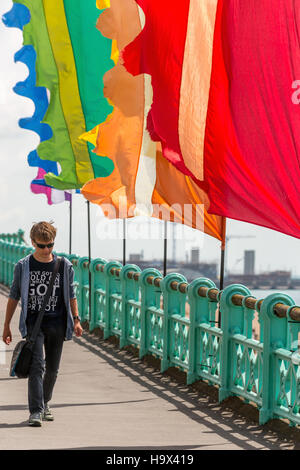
262,294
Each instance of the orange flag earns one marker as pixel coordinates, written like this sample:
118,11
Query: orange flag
143,181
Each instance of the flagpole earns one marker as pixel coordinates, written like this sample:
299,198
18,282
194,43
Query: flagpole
89,253
70,229
222,267
124,242
223,247
165,247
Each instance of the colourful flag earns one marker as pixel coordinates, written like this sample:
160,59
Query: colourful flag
225,109
175,49
142,183
54,196
67,58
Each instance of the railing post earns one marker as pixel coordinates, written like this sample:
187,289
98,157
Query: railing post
10,263
276,332
7,282
13,261
97,282
172,305
7,257
83,281
130,291
18,253
292,340
112,285
199,313
232,322
293,346
20,237
74,260
149,298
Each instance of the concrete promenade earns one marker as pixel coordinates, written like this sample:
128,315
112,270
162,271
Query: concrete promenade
108,399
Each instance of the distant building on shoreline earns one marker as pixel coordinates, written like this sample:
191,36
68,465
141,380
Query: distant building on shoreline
193,269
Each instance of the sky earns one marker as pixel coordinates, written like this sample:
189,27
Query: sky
20,208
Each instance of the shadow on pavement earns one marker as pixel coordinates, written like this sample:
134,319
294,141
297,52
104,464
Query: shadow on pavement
60,405
66,405
23,424
221,420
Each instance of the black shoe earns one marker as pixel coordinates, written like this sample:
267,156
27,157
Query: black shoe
35,419
47,415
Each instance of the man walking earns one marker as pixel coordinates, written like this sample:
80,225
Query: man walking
32,275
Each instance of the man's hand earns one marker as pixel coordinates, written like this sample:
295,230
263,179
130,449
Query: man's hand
6,336
74,309
10,309
77,328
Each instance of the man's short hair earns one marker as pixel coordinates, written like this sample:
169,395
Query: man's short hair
43,231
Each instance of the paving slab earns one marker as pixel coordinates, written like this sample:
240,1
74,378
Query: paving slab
106,398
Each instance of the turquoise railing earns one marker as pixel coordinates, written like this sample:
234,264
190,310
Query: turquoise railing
177,322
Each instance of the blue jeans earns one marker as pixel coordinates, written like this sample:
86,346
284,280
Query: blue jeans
43,371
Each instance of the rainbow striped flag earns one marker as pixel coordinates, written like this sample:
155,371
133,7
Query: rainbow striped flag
67,58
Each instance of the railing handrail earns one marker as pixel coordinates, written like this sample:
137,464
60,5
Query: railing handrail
280,310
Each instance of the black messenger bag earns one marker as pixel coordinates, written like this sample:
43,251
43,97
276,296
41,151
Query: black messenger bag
22,355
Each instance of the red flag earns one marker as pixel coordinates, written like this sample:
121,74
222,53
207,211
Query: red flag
224,76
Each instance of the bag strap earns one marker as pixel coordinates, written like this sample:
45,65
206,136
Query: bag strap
39,319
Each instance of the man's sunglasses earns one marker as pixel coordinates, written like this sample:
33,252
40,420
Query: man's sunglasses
41,245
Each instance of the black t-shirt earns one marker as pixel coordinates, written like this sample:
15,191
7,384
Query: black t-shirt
39,279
